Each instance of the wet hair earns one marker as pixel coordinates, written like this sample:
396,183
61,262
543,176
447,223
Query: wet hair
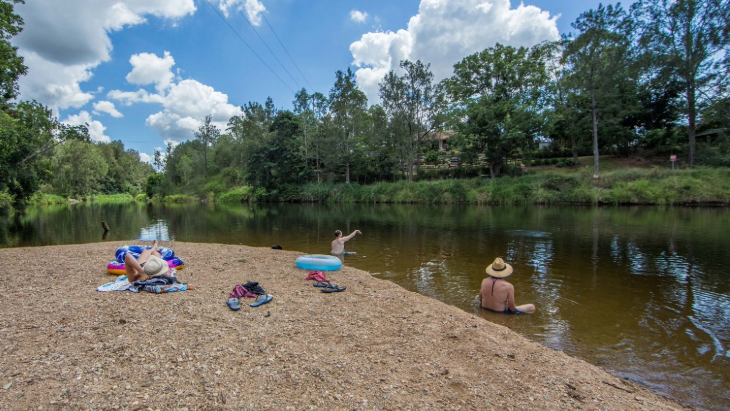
338,233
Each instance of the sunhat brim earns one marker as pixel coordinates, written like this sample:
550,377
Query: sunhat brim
163,266
506,272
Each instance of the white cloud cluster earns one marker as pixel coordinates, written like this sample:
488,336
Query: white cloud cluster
147,68
253,9
185,103
444,32
96,129
63,41
358,16
106,107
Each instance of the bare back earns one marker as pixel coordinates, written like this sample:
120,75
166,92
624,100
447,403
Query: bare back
338,245
497,295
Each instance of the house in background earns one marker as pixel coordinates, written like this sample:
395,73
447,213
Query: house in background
442,137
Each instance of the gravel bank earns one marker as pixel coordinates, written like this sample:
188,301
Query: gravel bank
373,346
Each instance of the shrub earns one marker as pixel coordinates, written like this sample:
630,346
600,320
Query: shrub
237,195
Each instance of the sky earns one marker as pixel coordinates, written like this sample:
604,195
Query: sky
147,72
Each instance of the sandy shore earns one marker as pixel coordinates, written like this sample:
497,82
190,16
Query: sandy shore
374,346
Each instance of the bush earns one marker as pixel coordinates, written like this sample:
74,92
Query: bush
237,195
46,199
6,201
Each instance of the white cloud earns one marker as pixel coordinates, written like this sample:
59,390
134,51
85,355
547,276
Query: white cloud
130,97
253,9
358,16
185,103
444,32
63,41
147,68
146,158
96,129
107,107
185,107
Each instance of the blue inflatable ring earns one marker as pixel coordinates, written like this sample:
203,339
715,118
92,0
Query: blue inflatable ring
319,262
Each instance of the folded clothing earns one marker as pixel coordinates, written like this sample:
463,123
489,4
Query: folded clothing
254,288
317,276
240,292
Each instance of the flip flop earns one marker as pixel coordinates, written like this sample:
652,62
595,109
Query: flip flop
234,304
321,284
261,300
333,289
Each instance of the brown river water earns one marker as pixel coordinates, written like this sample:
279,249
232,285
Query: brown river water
643,292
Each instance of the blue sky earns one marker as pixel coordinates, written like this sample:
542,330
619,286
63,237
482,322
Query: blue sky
146,72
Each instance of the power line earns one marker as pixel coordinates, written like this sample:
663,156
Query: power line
249,47
287,51
267,46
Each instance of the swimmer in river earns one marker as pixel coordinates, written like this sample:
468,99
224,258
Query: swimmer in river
338,244
497,294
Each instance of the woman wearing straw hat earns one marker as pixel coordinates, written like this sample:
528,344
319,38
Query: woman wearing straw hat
499,295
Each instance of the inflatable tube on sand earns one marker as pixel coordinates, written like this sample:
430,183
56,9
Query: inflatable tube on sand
116,266
136,250
319,262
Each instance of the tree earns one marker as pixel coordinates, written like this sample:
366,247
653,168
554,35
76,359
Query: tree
11,64
597,59
347,104
79,167
281,162
207,134
498,96
28,135
687,40
415,101
311,108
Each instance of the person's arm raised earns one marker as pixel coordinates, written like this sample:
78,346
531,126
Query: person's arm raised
351,235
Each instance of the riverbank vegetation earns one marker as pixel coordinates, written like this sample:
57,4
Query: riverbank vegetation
511,125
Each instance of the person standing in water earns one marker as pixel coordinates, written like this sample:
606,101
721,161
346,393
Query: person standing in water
497,294
338,244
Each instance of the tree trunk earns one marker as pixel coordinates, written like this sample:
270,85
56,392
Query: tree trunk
692,114
595,133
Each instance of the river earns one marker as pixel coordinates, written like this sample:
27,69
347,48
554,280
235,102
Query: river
643,292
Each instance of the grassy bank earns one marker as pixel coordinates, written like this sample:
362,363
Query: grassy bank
701,186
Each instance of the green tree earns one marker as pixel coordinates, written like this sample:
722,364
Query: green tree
281,162
415,101
347,104
28,135
499,102
78,168
687,40
597,59
207,134
11,64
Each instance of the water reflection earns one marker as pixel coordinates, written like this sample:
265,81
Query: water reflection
643,292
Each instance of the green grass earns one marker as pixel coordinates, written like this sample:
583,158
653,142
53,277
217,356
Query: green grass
111,198
46,199
560,186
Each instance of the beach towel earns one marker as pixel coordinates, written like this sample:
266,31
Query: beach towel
158,284
120,284
317,276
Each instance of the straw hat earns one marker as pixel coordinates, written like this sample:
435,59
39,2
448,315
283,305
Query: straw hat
499,269
155,266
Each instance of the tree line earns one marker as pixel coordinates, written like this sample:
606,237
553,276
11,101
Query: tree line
651,77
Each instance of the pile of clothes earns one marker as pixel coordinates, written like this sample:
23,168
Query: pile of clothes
249,290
